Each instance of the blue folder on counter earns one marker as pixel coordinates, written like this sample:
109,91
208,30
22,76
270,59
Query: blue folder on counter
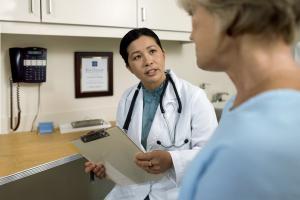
45,127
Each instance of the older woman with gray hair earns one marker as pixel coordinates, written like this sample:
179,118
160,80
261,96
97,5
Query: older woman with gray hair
255,151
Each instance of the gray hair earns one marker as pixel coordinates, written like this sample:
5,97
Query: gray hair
267,18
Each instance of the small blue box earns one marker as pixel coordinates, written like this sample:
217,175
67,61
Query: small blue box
45,127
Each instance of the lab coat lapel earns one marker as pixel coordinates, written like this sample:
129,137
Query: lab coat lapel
137,116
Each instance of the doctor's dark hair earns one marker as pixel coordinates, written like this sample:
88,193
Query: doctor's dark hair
264,18
133,35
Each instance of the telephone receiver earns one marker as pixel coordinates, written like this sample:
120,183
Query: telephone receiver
27,65
16,57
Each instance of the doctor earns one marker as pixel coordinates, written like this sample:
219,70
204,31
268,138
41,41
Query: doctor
169,117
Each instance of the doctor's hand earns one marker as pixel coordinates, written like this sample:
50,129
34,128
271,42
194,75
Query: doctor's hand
98,169
154,162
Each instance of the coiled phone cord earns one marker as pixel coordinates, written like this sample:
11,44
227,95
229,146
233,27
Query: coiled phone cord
12,105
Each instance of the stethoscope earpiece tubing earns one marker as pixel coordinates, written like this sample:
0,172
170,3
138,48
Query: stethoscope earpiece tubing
162,110
176,93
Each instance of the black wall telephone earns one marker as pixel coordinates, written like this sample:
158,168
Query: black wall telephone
27,65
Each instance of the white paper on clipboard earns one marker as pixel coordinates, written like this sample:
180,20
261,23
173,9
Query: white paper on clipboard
116,150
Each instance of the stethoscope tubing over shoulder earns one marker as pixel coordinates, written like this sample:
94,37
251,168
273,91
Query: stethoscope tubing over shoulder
130,111
129,114
169,78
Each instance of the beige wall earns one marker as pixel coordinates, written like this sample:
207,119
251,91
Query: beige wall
58,102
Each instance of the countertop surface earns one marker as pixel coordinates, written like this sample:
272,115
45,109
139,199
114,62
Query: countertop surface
21,151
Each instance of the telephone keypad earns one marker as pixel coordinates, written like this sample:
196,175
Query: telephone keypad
35,73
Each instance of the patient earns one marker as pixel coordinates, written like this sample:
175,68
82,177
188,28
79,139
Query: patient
255,152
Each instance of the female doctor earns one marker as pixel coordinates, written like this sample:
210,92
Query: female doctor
169,117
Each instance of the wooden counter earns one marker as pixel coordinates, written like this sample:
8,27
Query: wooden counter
20,151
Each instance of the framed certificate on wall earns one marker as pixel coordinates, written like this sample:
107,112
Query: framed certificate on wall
93,74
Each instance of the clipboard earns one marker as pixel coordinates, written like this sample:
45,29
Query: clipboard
116,151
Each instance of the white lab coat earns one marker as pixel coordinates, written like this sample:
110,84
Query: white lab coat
196,123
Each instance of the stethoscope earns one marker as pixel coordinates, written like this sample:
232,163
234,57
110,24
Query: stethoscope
129,114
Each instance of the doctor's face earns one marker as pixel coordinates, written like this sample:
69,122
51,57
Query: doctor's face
147,61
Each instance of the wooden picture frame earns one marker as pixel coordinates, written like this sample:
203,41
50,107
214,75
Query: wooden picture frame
93,74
